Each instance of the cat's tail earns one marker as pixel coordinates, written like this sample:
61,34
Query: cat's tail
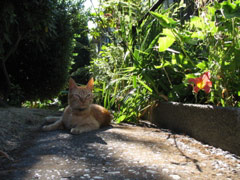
108,118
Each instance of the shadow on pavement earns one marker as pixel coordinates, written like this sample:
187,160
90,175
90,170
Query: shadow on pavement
60,155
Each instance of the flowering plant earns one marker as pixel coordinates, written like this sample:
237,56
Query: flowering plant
201,83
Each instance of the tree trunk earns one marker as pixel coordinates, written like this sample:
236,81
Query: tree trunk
6,81
3,70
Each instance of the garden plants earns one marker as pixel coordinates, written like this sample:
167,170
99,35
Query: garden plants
166,57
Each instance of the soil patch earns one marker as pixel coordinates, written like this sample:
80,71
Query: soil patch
18,124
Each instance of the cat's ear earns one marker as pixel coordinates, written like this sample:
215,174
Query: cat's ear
72,84
90,84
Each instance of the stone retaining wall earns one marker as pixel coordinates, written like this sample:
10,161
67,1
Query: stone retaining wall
216,126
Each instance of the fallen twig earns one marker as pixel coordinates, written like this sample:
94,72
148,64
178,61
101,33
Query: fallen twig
195,161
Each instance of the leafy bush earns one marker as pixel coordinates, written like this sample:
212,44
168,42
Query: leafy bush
38,35
215,33
153,59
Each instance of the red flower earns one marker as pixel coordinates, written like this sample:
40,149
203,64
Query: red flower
203,82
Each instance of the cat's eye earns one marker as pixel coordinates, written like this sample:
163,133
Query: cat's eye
76,95
88,95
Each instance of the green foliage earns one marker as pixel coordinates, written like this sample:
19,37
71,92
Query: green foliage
45,104
124,72
220,33
81,52
39,65
81,57
153,60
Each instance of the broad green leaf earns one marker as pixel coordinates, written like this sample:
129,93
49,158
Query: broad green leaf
121,118
93,14
202,65
227,63
145,85
211,10
197,22
164,20
174,61
189,76
199,35
213,28
217,5
168,32
231,10
165,43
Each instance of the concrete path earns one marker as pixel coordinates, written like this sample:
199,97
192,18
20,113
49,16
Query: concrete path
121,152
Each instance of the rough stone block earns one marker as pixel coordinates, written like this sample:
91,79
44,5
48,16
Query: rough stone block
216,126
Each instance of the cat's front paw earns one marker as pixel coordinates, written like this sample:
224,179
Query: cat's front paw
76,131
46,128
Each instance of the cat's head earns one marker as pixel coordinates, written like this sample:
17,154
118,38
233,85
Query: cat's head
80,97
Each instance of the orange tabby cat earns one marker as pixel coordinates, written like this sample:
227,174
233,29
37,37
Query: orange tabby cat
80,115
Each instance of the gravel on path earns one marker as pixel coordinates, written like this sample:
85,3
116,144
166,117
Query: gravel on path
121,152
